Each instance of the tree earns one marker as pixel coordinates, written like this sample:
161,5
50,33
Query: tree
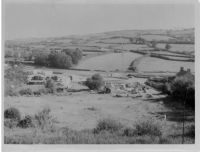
50,85
59,60
183,88
8,53
153,44
167,46
41,59
76,55
95,82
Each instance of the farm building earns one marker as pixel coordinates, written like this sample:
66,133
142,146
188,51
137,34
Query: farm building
36,79
183,72
137,40
39,77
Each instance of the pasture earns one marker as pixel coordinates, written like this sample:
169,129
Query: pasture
155,37
181,48
151,64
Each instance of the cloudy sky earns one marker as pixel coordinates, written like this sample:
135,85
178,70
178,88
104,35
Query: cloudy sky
23,20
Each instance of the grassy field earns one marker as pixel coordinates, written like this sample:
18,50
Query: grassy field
152,37
188,48
116,40
155,64
75,118
132,47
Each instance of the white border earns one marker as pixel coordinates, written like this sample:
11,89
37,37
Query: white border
117,148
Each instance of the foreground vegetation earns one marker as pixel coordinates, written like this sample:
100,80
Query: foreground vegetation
42,128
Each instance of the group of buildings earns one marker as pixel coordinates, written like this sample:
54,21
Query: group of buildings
61,79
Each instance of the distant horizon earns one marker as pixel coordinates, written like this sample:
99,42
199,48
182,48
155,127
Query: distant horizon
51,19
43,37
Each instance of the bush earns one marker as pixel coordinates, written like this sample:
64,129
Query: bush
129,132
12,113
50,86
37,93
9,91
108,125
26,91
44,121
15,75
10,123
191,131
167,46
26,122
44,91
95,82
149,127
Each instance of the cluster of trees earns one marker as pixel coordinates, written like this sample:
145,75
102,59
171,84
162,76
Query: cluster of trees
64,59
183,89
180,87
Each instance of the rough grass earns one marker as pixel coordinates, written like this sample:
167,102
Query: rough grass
107,131
108,124
148,127
88,137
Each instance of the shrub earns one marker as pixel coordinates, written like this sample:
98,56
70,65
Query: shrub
153,44
50,86
129,132
26,91
108,125
43,91
8,53
191,131
95,82
26,122
149,127
44,121
9,91
10,123
12,113
167,46
16,75
37,93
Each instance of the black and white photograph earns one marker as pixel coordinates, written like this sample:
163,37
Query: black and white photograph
98,73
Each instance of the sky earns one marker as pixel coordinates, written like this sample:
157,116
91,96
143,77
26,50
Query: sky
26,20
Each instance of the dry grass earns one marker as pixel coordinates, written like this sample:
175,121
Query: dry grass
107,131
